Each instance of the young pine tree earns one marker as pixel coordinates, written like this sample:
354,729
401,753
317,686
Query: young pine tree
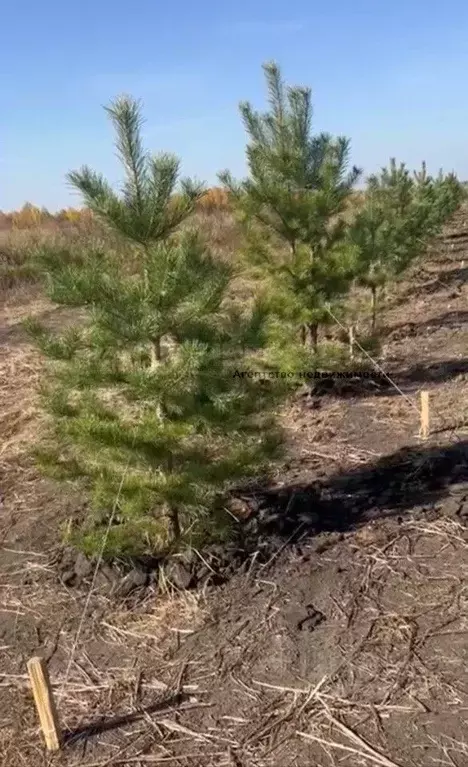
293,204
393,227
150,409
427,198
385,241
396,186
449,193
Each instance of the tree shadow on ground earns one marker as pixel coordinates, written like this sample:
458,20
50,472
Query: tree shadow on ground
392,486
452,320
374,384
436,372
455,236
106,724
455,247
451,279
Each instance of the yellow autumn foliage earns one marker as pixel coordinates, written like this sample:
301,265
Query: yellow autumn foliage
215,198
29,216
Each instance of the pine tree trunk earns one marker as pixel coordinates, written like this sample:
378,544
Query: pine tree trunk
303,334
155,352
175,524
313,335
374,308
155,344
173,512
351,342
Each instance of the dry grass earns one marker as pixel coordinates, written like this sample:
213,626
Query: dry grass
115,669
388,673
20,370
19,279
396,628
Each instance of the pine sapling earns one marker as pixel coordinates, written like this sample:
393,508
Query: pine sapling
152,410
395,223
292,205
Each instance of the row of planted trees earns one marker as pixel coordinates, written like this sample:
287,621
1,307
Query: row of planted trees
151,410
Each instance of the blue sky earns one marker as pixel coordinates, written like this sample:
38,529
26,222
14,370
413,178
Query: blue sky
390,75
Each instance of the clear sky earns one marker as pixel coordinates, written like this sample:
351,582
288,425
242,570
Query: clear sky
390,75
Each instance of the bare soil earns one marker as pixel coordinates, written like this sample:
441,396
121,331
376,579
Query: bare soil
342,639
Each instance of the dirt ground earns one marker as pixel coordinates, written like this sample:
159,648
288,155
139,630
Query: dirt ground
347,646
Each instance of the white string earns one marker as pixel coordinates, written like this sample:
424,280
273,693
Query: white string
374,362
413,405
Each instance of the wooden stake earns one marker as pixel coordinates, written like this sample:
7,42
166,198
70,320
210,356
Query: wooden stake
424,433
45,704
